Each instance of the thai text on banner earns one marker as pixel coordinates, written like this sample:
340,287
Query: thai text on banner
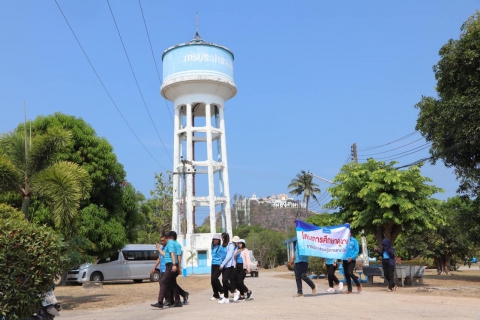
325,242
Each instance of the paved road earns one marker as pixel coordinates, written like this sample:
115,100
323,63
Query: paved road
273,299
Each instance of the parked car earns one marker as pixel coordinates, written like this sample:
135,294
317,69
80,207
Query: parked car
253,265
133,262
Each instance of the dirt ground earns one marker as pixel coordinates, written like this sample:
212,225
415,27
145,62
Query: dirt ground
463,283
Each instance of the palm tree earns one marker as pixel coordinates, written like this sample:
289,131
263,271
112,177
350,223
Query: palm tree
28,167
303,184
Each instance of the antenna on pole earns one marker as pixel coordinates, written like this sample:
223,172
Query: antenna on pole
197,37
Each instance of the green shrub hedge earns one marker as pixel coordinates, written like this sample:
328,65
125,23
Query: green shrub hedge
30,259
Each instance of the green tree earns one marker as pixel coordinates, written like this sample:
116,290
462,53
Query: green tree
450,121
27,168
383,200
114,206
303,185
157,211
446,243
325,219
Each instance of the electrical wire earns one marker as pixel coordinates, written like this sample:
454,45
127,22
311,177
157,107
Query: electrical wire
368,155
386,144
153,55
440,153
403,154
104,87
136,81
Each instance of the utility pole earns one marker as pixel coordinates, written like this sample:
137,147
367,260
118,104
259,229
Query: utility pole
184,192
354,153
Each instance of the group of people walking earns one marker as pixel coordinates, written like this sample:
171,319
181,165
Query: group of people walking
231,259
348,261
170,264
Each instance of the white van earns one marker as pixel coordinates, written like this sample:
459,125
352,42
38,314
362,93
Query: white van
133,262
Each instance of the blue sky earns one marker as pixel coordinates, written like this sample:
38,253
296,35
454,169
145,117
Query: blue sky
313,77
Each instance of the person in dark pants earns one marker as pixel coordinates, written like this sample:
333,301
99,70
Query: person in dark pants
242,266
169,277
331,265
217,258
388,264
349,261
160,263
227,268
300,269
184,294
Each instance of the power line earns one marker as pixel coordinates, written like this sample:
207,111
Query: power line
404,154
436,155
386,144
136,81
105,88
153,55
368,155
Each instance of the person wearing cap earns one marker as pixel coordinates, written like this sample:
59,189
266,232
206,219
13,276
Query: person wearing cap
242,266
217,258
227,268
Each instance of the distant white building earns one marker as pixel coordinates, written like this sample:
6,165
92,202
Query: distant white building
280,201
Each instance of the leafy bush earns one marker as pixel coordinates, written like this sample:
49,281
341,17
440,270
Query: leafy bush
30,259
7,212
316,266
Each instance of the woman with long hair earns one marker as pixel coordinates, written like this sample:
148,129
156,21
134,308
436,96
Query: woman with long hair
217,258
227,268
242,266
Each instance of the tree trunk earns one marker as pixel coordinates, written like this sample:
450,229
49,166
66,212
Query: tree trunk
443,264
396,229
26,205
63,279
379,237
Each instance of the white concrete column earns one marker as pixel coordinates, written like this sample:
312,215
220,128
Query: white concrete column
176,177
189,131
226,186
211,183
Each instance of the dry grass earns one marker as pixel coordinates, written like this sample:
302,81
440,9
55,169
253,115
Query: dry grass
121,293
462,283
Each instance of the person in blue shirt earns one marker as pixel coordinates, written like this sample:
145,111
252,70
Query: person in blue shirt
169,279
217,258
331,265
388,264
178,251
349,261
227,267
300,269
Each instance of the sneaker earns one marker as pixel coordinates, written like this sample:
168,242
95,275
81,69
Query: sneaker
214,299
340,286
249,295
298,295
177,305
236,295
330,290
359,288
314,290
389,290
185,297
157,305
241,298
224,300
347,292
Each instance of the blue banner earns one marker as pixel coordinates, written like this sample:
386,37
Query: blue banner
324,242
